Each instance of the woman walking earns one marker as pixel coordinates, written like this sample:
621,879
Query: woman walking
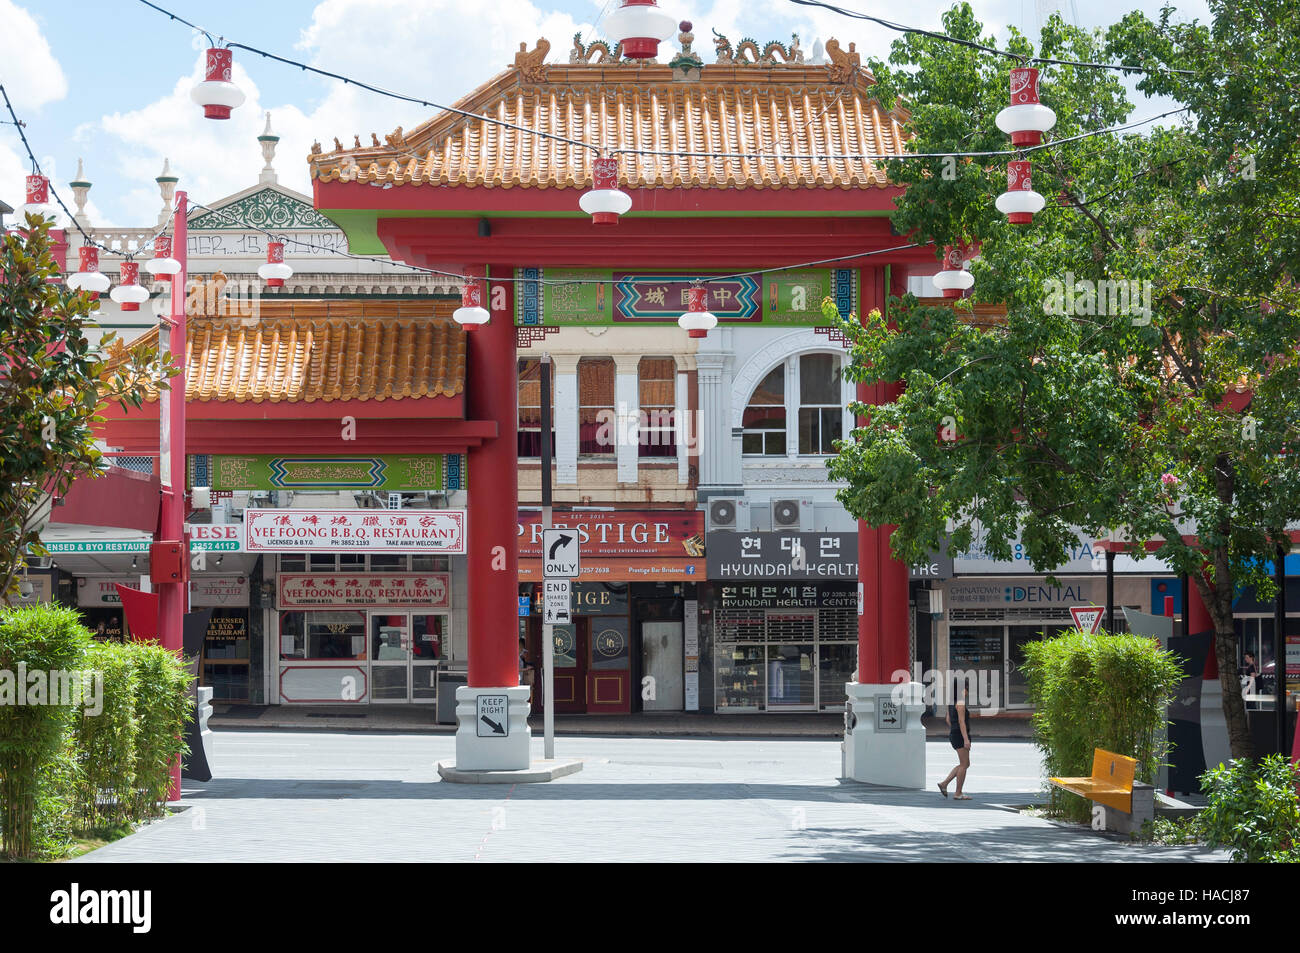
958,719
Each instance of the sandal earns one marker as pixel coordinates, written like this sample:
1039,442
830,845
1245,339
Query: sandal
961,797
942,790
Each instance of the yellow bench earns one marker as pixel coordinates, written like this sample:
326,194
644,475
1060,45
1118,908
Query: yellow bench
1111,783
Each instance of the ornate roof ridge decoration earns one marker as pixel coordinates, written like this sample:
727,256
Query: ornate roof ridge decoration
767,101
266,208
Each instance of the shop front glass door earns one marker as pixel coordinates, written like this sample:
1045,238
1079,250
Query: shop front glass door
570,667
609,672
790,677
977,651
837,663
390,658
428,644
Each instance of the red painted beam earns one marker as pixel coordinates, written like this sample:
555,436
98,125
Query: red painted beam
486,202
290,436
647,243
450,409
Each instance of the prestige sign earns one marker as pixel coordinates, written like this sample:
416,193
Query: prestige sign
329,531
621,545
427,590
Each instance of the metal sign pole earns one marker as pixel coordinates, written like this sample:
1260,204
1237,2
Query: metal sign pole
548,630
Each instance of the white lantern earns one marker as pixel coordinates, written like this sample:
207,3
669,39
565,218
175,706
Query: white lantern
129,294
1026,119
1019,202
698,320
639,25
471,315
275,270
89,278
38,200
953,279
162,264
217,94
605,202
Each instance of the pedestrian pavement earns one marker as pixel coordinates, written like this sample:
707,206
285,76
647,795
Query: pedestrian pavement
342,797
419,719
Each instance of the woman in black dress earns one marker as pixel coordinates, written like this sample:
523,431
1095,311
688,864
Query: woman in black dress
958,718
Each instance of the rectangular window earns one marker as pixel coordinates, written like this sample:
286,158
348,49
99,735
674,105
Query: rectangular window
597,426
821,416
323,635
657,387
530,408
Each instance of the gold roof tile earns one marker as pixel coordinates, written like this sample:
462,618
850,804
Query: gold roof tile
780,111
307,351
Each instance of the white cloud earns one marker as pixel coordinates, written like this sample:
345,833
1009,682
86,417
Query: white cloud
32,75
437,51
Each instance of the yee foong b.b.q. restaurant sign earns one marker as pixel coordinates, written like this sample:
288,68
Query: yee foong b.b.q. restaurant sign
356,531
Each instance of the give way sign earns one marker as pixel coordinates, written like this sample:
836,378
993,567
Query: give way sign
1087,618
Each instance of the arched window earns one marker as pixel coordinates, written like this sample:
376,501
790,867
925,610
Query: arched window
799,404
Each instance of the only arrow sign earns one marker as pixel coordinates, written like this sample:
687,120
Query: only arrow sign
494,725
561,543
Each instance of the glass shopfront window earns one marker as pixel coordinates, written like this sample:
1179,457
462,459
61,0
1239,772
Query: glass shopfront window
323,635
784,647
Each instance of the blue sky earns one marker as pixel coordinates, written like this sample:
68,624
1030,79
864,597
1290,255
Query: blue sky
108,80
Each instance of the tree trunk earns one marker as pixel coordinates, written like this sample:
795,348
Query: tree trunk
1218,600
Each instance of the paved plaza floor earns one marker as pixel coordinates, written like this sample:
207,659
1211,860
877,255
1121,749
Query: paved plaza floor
330,797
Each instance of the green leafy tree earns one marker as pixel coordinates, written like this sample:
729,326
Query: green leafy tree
1166,412
53,384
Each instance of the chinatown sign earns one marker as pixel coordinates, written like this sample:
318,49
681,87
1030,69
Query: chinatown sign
356,531
423,590
622,545
602,296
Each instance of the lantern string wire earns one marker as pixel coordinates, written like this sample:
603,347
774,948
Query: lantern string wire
603,149
983,48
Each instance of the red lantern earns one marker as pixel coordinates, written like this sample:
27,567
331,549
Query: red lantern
953,279
605,202
639,25
471,315
129,294
275,270
217,94
38,199
88,277
698,320
1026,119
1019,202
162,264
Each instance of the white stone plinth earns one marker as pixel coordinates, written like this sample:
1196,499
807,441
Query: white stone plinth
492,752
891,757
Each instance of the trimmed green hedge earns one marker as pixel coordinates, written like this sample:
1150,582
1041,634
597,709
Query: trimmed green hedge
101,751
1099,691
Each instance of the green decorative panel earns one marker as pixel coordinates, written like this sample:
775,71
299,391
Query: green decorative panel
268,208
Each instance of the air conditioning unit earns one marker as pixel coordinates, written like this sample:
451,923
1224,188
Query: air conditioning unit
728,513
790,515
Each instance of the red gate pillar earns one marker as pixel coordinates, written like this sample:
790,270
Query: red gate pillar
883,743
492,710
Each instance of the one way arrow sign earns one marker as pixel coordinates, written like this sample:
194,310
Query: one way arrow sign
560,553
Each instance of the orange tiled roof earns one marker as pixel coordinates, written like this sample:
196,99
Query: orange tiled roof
777,109
318,356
